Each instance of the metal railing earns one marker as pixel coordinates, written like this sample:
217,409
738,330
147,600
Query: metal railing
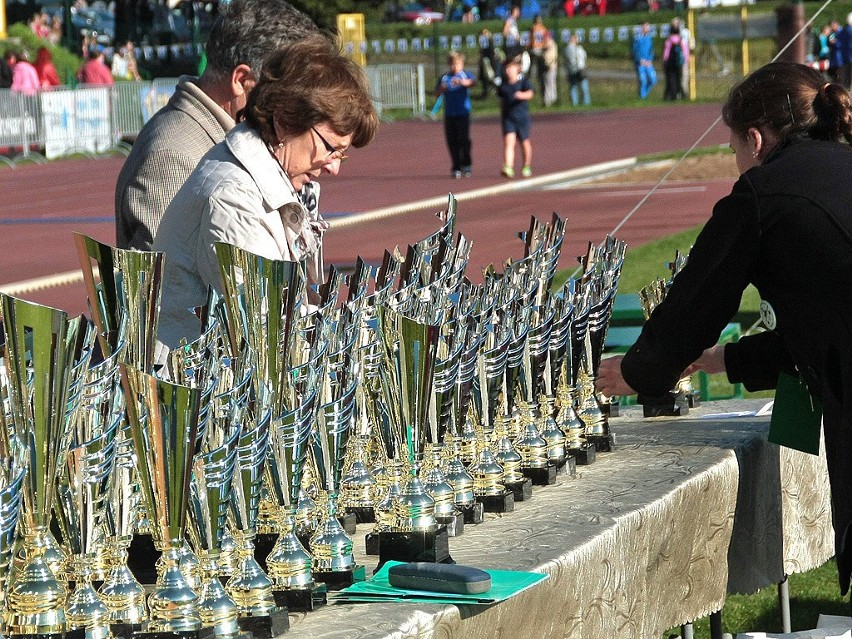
66,120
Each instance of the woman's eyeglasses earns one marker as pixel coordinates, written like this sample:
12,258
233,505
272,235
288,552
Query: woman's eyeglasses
333,154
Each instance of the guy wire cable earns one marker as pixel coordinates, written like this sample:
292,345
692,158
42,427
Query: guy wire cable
701,137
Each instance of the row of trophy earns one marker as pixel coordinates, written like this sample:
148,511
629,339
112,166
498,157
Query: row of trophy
407,398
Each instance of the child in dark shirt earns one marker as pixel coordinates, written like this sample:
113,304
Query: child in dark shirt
515,94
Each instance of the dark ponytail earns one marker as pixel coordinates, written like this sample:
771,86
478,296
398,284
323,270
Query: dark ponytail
790,100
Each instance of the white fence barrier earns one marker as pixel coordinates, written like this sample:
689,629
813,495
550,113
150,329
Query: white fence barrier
65,120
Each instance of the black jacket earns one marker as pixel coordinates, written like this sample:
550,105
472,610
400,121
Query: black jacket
786,227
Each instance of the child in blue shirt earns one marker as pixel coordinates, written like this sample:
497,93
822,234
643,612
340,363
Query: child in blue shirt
455,87
515,94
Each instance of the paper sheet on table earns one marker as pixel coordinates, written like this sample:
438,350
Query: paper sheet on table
504,584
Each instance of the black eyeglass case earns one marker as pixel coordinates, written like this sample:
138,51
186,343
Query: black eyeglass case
452,578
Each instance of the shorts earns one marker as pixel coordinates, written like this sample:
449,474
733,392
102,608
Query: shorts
520,126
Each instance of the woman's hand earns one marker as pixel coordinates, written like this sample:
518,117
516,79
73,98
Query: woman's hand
609,380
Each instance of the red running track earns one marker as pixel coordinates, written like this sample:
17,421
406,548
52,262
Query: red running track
41,205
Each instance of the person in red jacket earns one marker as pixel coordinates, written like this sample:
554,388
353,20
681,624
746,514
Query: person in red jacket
95,70
47,75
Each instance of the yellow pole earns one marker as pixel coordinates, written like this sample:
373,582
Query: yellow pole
3,34
744,19
690,24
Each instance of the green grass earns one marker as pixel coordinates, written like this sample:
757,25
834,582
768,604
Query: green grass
811,594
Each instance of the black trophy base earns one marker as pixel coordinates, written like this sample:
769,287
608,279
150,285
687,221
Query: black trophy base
502,503
124,630
521,490
347,522
544,476
302,599
473,514
610,408
453,523
584,454
363,514
266,626
602,443
432,546
340,579
371,541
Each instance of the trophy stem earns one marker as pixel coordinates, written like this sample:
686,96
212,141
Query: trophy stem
249,586
216,608
36,598
123,596
173,604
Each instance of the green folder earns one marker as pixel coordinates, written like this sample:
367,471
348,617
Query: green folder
796,416
504,584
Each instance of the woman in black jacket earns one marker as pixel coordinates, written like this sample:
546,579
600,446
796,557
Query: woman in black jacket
786,227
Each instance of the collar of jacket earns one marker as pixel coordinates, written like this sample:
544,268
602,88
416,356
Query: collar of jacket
251,151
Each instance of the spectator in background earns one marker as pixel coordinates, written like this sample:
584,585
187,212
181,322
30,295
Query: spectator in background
130,60
94,70
835,56
575,62
118,67
47,75
688,44
844,42
515,94
643,59
511,32
455,87
674,54
200,113
490,67
6,64
24,75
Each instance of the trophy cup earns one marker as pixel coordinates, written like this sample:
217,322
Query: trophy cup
488,397
333,561
533,448
41,344
164,439
409,356
81,494
289,564
209,497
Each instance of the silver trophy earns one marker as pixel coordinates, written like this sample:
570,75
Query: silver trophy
209,498
41,348
164,440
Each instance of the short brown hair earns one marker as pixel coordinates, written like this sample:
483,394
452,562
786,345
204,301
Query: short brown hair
309,82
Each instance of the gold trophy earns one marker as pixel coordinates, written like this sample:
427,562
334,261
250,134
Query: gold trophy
41,348
164,440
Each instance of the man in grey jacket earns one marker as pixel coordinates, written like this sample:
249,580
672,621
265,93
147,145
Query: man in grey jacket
199,113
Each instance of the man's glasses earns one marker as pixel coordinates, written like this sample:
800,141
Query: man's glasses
333,154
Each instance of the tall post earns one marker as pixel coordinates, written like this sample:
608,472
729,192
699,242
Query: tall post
791,19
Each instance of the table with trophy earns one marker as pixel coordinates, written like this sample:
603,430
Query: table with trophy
290,449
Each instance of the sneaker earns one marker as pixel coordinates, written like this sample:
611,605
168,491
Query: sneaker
526,171
507,171
457,174
467,171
